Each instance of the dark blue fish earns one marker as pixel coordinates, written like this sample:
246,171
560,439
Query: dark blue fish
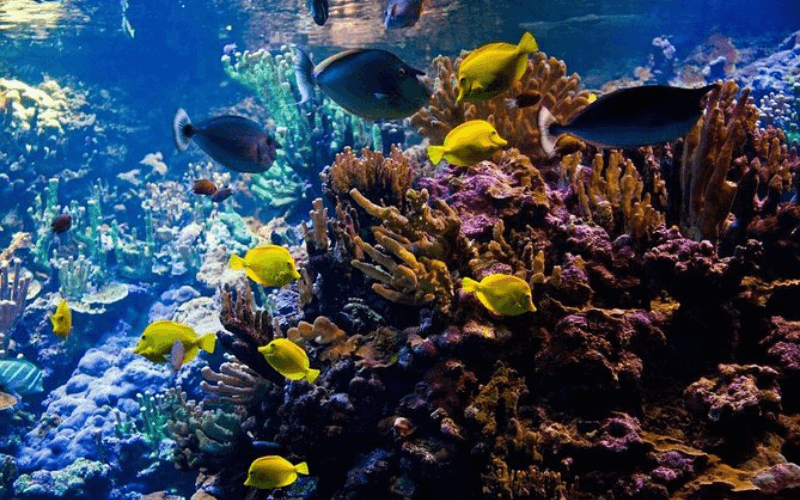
370,83
234,141
629,118
402,13
20,377
319,11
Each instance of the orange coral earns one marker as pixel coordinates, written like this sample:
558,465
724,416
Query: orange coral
548,77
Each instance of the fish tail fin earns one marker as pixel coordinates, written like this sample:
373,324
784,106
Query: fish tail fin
304,73
546,137
301,468
208,342
469,285
527,45
182,129
237,263
435,153
311,375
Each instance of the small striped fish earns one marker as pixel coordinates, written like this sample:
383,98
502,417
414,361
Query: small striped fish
20,376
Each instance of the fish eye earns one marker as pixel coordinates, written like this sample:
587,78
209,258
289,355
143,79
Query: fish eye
403,72
462,82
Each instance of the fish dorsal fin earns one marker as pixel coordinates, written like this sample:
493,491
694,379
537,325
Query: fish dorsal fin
492,46
336,58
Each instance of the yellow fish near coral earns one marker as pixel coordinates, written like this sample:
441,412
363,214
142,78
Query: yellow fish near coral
468,144
267,265
159,338
62,320
289,359
273,471
502,294
491,70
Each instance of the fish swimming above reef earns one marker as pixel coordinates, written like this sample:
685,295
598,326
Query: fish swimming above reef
369,83
491,70
267,265
221,195
319,11
289,359
204,187
158,340
469,143
61,224
273,471
629,118
502,294
235,142
402,13
20,377
61,320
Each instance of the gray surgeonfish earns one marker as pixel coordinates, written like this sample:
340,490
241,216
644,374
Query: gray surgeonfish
319,11
235,142
402,13
629,118
370,83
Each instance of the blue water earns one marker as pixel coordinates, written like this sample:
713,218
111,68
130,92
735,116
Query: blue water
158,251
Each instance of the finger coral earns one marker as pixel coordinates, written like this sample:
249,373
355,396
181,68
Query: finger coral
548,77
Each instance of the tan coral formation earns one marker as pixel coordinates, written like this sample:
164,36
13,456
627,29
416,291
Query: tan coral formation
547,76
377,177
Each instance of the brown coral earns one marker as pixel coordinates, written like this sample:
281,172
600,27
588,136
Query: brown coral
380,179
518,126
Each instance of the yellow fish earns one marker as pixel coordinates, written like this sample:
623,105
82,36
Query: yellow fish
267,265
273,471
502,294
469,143
62,320
159,338
491,70
289,359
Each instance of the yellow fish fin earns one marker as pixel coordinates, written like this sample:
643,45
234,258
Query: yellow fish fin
527,45
487,304
311,376
207,342
435,153
301,468
237,263
191,353
469,285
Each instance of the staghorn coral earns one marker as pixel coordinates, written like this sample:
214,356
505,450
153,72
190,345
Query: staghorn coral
611,194
234,384
13,293
417,280
560,94
384,180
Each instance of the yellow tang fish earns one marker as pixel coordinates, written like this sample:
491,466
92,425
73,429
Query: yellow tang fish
62,320
267,265
273,471
491,70
289,359
502,294
159,338
469,143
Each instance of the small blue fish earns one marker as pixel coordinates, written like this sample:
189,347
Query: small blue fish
319,11
629,118
370,83
20,377
403,13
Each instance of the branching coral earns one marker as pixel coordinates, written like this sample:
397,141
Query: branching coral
13,292
378,178
610,196
548,77
420,278
234,383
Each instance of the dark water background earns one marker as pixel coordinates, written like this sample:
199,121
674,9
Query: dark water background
173,60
